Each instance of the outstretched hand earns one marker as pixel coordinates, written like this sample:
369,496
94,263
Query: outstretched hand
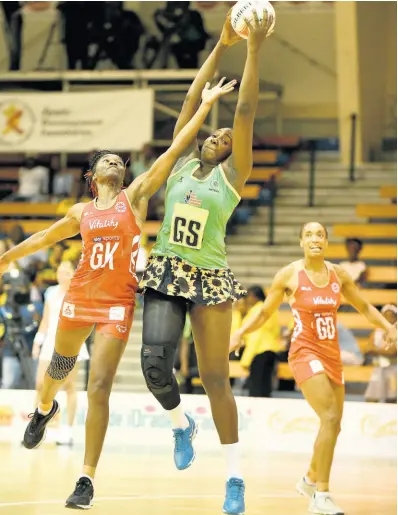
211,95
258,31
228,36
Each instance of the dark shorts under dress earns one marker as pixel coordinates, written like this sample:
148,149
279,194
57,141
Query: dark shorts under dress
175,277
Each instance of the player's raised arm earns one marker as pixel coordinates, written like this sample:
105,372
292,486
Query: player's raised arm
353,295
148,184
242,135
67,227
205,74
271,304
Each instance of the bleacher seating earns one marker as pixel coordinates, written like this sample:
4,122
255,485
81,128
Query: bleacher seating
337,251
379,231
376,210
388,192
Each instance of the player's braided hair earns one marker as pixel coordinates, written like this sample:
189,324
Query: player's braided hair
92,165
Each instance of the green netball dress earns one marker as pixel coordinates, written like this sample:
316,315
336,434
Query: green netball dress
189,256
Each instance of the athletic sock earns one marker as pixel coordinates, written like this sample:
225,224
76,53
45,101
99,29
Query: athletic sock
232,456
178,418
308,481
44,409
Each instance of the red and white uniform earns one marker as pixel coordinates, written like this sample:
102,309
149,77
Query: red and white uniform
314,347
104,285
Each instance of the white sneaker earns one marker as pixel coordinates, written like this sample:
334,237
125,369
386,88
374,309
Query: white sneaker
324,505
305,488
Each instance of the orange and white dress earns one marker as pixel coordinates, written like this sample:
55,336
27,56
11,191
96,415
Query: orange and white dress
104,286
314,346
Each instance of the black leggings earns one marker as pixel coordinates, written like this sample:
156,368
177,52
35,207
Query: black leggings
163,325
261,373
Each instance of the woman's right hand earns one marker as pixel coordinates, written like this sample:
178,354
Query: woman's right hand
258,31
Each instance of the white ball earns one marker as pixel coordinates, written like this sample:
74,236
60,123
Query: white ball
244,9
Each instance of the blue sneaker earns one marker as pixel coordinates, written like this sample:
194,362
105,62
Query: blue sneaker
234,497
184,453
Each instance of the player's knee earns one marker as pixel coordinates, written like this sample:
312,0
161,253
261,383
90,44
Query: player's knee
215,382
61,366
157,367
99,390
332,419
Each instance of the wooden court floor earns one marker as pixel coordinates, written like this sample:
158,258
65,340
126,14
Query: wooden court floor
135,479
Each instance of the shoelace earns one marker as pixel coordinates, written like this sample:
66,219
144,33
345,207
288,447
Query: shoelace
35,420
82,485
236,491
179,439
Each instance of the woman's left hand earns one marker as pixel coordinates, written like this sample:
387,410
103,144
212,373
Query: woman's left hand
211,95
391,338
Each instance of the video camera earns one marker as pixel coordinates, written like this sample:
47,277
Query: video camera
16,285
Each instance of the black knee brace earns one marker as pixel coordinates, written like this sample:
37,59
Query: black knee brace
157,366
61,366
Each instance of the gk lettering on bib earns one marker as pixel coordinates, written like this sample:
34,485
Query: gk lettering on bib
188,225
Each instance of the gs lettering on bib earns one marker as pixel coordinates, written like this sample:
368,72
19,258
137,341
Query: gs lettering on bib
188,225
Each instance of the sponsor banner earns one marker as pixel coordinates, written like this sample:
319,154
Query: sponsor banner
76,122
273,425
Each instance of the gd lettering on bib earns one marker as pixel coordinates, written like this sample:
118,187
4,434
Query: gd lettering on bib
188,225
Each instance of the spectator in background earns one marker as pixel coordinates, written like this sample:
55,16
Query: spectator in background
143,160
183,34
33,182
141,163
13,22
100,30
261,346
192,39
355,266
350,352
47,271
77,18
16,236
383,383
16,311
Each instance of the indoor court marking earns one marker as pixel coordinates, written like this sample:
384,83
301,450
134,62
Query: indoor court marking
143,480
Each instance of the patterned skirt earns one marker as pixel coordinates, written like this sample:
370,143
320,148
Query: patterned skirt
174,276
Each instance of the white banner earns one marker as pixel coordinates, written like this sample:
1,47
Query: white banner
118,120
271,425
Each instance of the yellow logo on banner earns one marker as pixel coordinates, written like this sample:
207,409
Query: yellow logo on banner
6,415
280,422
16,122
373,426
